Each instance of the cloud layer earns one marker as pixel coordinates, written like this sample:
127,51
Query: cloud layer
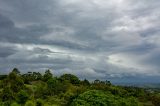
89,38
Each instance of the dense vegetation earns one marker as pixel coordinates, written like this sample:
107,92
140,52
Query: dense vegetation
35,89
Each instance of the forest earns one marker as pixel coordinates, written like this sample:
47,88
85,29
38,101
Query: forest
36,89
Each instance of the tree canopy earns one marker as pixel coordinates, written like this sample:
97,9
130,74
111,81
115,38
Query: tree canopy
36,89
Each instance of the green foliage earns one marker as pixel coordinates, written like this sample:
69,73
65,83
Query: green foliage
52,82
56,101
73,92
33,89
108,83
15,82
15,104
39,102
7,95
70,78
40,89
22,97
29,103
100,98
16,71
37,76
52,86
55,86
156,100
48,75
85,82
32,76
11,86
135,91
99,85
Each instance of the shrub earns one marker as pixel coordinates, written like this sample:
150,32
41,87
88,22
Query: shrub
39,102
29,103
101,98
22,97
15,104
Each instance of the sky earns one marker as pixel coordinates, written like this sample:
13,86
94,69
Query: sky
93,39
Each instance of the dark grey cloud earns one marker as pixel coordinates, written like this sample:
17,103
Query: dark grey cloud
5,22
89,38
6,51
29,34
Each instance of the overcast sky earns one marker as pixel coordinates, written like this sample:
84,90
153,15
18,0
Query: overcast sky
90,38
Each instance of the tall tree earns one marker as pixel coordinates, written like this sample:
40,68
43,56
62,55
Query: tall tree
48,75
70,78
15,70
15,82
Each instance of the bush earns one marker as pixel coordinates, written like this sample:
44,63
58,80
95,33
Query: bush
29,103
22,97
70,78
15,104
101,98
156,100
39,102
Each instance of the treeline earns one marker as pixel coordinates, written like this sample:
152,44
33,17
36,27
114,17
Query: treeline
35,89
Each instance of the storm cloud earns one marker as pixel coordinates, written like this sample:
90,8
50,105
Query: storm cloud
90,38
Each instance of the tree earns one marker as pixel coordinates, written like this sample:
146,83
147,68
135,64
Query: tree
7,94
15,70
31,76
70,78
96,81
48,75
37,76
29,103
15,104
52,86
107,82
15,82
22,97
55,86
39,102
156,100
41,89
85,82
100,98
